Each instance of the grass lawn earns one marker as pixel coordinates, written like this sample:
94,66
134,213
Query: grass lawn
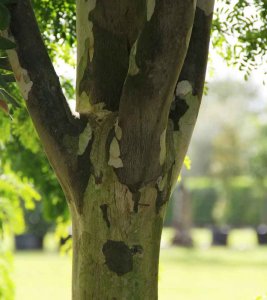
202,273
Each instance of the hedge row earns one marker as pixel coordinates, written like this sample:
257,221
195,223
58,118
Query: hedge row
239,202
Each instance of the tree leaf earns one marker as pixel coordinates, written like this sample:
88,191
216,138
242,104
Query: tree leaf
6,96
6,2
4,17
6,44
3,83
8,78
4,64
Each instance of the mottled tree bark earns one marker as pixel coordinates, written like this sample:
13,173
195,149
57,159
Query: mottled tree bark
140,74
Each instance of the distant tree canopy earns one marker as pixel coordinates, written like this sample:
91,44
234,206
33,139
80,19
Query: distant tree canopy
239,29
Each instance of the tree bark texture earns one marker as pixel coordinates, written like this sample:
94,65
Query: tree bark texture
140,74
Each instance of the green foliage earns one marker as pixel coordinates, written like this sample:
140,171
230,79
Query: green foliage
239,203
4,17
42,175
6,283
258,161
21,150
240,34
5,126
262,297
244,206
57,22
203,203
13,191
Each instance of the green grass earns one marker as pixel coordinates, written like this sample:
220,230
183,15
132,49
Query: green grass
203,273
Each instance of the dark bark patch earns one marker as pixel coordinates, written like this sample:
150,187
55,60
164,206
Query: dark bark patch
136,199
104,208
164,196
137,249
98,179
177,112
119,257
104,76
160,201
82,173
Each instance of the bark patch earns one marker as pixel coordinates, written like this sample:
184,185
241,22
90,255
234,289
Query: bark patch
104,208
137,249
136,199
119,257
178,110
160,201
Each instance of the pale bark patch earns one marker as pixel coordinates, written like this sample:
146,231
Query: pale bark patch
91,6
98,152
162,154
118,131
82,103
85,49
99,110
206,6
148,196
181,138
150,6
187,122
161,182
85,26
23,79
133,68
114,154
183,87
84,139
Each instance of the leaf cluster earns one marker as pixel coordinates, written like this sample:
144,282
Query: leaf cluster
13,191
240,33
57,23
21,150
6,283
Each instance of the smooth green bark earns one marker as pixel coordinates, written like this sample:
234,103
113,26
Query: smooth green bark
140,76
116,236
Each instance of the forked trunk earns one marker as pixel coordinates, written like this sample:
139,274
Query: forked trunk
140,75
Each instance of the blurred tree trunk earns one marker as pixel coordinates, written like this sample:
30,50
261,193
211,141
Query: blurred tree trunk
140,75
182,216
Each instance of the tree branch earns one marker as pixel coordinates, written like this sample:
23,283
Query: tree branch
41,89
155,63
106,31
189,87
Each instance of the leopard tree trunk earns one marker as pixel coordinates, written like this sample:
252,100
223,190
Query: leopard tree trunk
116,233
140,74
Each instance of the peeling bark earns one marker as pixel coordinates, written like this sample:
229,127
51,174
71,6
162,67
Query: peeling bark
140,76
121,260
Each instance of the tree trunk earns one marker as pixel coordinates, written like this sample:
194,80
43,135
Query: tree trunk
116,235
140,74
116,250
